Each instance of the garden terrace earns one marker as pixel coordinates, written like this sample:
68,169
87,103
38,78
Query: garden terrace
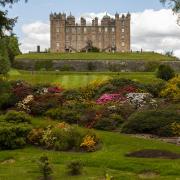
147,56
95,62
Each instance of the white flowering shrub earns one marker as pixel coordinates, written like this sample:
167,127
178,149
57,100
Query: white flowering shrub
140,99
23,105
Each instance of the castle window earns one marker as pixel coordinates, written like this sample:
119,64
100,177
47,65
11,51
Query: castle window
122,30
122,37
113,29
99,29
79,30
85,29
57,36
73,30
67,30
123,44
57,44
57,30
106,29
57,23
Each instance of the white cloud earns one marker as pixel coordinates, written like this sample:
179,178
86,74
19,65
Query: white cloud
36,33
150,30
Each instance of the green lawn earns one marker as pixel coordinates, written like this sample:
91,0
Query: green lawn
110,158
75,79
148,56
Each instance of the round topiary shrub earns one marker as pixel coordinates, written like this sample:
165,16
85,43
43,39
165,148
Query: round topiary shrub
157,122
165,72
17,117
13,136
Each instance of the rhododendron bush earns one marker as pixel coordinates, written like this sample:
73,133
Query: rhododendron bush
119,96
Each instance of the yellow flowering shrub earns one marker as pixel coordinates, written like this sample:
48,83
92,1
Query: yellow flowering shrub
175,128
88,143
57,84
172,89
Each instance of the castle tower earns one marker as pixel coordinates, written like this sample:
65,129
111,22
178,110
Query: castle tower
118,32
57,31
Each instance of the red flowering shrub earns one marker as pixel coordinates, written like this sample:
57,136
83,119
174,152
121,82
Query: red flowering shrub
55,90
42,103
21,90
128,89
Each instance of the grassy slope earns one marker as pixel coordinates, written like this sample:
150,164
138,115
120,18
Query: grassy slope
76,80
110,158
95,56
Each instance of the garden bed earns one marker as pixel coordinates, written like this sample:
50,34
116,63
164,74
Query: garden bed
152,153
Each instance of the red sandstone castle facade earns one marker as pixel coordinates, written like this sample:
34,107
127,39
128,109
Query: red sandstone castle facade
112,34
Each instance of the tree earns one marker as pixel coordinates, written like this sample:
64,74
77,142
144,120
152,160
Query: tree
45,168
6,24
165,72
4,59
175,5
12,47
9,44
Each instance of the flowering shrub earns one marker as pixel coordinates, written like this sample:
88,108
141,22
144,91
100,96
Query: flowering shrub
88,143
62,137
47,138
140,99
117,97
55,90
128,89
35,136
42,103
175,128
64,126
172,89
24,104
42,91
105,98
21,90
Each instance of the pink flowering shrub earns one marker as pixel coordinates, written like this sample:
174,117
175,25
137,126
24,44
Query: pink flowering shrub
119,96
105,98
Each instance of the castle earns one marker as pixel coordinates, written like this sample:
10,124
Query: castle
111,35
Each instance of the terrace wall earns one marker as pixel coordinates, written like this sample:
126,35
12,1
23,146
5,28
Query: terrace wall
93,65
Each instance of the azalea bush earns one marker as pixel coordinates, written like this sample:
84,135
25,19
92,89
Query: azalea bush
63,137
120,96
172,89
